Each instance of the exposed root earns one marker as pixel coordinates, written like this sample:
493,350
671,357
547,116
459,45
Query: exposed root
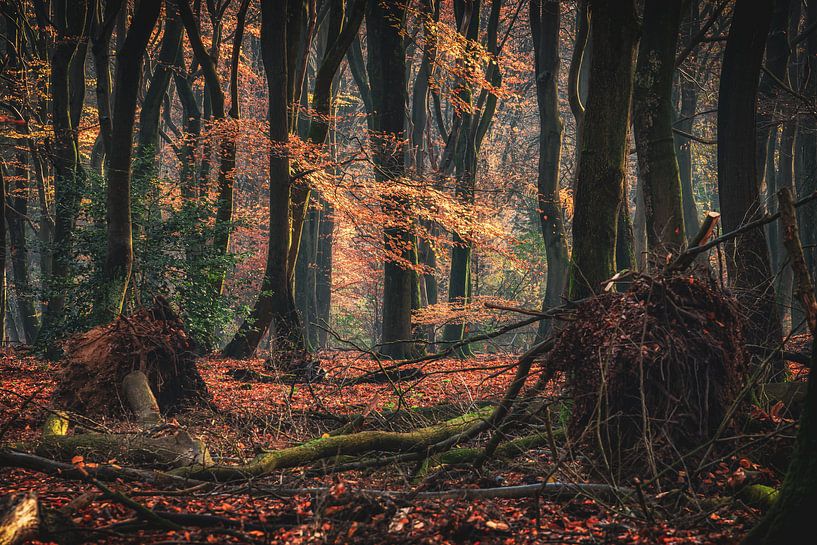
150,340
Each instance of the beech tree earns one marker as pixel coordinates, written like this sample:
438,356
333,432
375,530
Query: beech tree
600,183
748,256
545,20
119,251
652,121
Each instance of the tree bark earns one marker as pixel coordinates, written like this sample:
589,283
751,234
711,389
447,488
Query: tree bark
747,255
387,74
545,26
600,184
119,250
789,518
68,176
275,304
652,123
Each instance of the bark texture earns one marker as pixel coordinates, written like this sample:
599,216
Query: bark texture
600,183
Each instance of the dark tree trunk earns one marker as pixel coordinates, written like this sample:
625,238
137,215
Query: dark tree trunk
387,73
144,164
119,251
276,304
790,518
777,60
688,91
17,205
69,21
545,25
806,181
341,33
600,184
652,123
577,62
323,273
472,127
104,23
747,256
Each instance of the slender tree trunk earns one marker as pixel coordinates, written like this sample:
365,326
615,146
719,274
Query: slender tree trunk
577,61
69,21
104,23
17,205
341,34
806,181
387,73
119,254
600,184
545,26
323,272
148,141
275,304
652,122
777,60
747,256
3,286
683,152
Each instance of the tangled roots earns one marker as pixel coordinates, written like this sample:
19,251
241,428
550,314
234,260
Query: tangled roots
652,370
151,340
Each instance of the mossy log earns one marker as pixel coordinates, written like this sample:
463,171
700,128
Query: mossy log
759,495
341,445
56,424
177,450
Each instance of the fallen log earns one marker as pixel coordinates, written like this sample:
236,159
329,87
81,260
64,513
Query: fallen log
140,398
327,447
19,519
23,519
103,472
171,451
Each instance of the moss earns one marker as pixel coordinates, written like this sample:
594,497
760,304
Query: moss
341,445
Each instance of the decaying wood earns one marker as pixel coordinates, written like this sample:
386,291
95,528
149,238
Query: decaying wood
327,447
177,450
140,398
19,519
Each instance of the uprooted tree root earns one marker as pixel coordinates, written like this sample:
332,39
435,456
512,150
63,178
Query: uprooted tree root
151,340
653,370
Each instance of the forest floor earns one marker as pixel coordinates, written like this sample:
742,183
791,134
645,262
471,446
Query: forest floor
251,417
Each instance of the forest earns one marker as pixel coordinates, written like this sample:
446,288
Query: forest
408,271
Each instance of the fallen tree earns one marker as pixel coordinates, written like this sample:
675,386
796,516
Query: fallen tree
651,371
333,446
153,341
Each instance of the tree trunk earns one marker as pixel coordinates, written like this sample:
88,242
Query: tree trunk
777,60
69,21
789,519
600,184
652,122
687,89
119,254
323,273
807,147
387,73
275,304
747,255
17,205
577,62
338,42
545,26
101,46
